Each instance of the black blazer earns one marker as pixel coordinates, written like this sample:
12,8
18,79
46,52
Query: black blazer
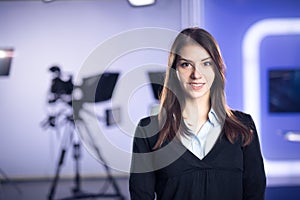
229,171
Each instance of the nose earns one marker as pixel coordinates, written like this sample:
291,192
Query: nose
196,73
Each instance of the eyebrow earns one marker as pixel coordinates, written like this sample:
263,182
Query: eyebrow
181,58
206,58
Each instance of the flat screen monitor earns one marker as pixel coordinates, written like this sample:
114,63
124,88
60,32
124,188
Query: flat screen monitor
284,90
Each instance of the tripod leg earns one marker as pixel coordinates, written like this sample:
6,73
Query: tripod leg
10,181
111,178
107,169
76,155
54,182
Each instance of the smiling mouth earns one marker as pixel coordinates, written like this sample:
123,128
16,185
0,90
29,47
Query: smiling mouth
196,84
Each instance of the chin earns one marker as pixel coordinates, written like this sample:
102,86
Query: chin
197,95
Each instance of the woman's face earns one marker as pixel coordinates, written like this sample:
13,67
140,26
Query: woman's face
195,72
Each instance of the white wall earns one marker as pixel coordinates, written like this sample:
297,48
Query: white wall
64,33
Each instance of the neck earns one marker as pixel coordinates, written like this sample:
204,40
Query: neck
195,112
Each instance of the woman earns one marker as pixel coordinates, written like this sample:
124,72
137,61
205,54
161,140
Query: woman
196,148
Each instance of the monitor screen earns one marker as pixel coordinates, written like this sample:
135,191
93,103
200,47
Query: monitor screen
284,90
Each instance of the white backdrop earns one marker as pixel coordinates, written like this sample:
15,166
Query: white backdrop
65,33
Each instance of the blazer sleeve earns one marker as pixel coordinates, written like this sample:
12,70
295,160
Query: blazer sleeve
254,178
142,175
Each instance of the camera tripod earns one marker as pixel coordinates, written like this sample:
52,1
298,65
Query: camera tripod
7,179
71,137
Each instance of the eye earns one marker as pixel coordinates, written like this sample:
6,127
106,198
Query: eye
184,64
208,63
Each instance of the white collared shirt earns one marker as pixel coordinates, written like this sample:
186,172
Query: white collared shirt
202,142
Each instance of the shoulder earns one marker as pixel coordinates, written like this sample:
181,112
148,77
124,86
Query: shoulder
149,126
147,130
149,120
243,117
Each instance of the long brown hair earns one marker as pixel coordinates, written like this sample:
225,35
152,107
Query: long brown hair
170,115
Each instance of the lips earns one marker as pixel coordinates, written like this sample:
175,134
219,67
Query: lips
196,86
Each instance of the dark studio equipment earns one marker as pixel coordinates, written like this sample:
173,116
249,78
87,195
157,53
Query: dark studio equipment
94,89
284,90
98,88
6,56
157,82
112,116
60,89
283,97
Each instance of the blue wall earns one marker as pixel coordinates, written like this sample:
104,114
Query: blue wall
229,21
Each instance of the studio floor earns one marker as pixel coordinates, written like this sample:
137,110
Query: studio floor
41,189
95,188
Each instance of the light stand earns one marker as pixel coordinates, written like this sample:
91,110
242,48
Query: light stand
6,56
95,89
80,122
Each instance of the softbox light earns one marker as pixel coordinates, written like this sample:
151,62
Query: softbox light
141,2
6,55
98,88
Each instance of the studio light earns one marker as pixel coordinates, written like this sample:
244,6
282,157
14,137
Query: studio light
292,136
6,56
2,54
47,1
141,2
6,53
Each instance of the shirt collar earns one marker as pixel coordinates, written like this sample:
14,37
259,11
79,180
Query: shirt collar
213,118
